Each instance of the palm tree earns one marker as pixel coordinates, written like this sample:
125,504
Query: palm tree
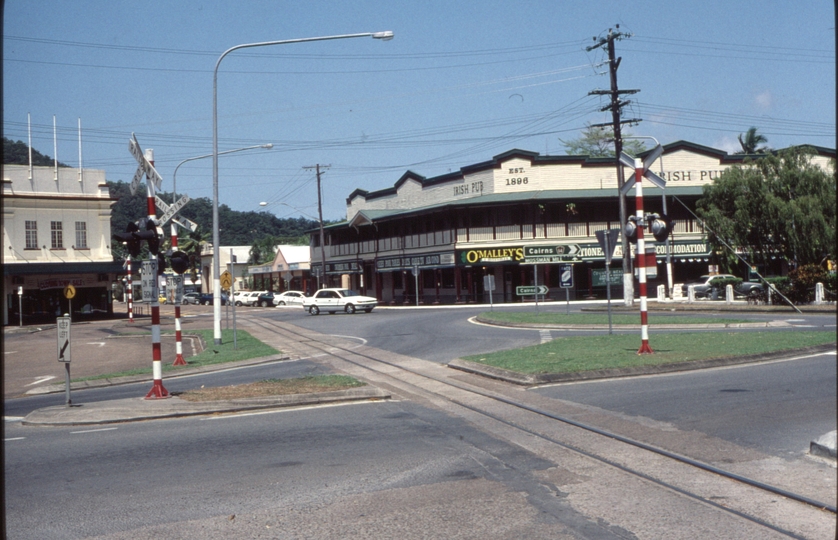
751,140
191,245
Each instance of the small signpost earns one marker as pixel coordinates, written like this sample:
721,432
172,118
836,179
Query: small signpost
63,326
608,241
566,282
489,285
530,290
149,280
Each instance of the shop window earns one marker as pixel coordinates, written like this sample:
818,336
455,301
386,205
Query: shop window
448,279
31,234
81,235
429,279
57,236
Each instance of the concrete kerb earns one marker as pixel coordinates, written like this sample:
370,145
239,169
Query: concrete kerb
130,379
137,409
535,379
664,326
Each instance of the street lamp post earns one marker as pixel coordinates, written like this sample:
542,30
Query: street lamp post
216,267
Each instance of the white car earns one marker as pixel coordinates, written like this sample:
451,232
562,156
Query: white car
334,300
246,298
289,298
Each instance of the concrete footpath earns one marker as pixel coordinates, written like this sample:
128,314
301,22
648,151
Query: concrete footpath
117,345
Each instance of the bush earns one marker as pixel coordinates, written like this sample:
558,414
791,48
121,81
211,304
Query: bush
803,282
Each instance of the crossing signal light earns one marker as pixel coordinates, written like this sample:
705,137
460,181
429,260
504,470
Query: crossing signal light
151,236
179,261
630,230
660,228
130,240
161,264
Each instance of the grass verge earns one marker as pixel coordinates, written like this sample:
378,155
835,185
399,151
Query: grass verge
273,387
248,347
585,353
520,317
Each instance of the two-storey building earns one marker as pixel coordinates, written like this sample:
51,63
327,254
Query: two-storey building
450,231
56,232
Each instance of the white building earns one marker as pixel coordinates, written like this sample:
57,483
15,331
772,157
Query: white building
56,232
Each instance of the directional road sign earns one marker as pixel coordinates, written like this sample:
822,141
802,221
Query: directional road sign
550,253
566,276
530,290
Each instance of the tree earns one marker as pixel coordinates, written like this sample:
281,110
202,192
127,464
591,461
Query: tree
751,141
778,205
192,244
17,153
599,142
263,251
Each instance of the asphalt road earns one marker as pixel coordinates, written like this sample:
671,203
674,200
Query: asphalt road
338,472
777,407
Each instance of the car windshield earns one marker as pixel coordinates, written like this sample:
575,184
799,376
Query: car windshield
348,292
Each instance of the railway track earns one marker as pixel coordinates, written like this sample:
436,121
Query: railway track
550,429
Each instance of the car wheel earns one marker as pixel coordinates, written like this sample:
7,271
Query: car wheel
314,310
238,304
349,309
185,301
281,303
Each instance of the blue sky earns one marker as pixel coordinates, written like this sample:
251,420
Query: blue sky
460,83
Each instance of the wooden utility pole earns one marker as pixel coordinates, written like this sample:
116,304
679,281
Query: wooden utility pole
616,107
322,277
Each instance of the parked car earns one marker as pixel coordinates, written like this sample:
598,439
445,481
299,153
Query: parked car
246,298
191,298
289,298
705,285
207,299
334,300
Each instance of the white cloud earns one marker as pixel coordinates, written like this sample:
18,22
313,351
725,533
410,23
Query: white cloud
764,99
728,144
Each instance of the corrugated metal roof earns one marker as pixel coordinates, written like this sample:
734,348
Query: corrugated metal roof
366,216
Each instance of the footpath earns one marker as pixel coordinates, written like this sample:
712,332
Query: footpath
117,345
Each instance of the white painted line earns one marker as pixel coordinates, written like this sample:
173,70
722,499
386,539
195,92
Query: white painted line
9,352
40,380
546,336
99,343
362,340
93,430
14,439
289,409
12,418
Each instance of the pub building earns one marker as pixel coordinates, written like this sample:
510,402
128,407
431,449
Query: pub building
439,237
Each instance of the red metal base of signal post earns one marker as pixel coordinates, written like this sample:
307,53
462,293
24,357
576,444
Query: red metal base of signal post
645,348
157,391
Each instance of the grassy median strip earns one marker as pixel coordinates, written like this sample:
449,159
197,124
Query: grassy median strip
522,317
273,387
585,353
248,347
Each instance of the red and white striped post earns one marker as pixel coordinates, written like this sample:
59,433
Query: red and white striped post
179,361
157,390
130,292
641,258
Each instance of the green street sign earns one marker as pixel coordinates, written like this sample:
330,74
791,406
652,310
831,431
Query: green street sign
531,290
